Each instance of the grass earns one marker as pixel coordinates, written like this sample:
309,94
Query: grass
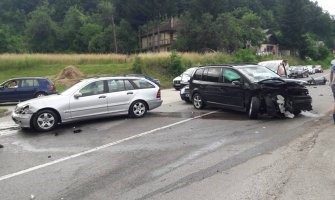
155,64
3,110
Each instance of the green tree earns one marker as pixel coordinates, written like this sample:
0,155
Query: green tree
73,21
41,31
126,37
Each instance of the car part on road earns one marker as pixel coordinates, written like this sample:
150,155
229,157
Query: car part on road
313,81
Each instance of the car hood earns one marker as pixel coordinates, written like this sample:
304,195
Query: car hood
178,78
283,82
46,101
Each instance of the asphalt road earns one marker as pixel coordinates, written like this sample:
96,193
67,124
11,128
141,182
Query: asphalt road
165,155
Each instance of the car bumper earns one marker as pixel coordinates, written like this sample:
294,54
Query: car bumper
23,120
301,102
154,104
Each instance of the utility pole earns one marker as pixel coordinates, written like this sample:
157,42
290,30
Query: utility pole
114,35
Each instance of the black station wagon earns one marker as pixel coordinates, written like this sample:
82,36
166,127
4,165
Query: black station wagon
248,88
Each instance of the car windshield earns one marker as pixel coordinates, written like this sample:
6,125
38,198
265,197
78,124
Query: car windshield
257,73
74,88
189,71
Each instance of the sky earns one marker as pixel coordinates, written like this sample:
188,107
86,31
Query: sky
328,5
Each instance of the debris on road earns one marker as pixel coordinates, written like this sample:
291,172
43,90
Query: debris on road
76,130
1,146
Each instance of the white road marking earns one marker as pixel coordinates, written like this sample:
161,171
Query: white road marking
8,176
192,156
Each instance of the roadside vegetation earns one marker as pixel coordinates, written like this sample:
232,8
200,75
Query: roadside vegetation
164,66
3,110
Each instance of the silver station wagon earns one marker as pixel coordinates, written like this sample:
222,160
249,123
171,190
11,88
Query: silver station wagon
88,99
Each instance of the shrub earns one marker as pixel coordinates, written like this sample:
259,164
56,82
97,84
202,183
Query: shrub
245,56
137,66
175,64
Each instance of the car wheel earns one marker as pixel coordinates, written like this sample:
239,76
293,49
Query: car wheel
137,109
40,94
198,102
45,120
254,108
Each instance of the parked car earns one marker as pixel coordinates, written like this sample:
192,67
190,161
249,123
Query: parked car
274,64
183,79
146,77
298,72
185,94
310,69
248,88
90,98
25,88
318,69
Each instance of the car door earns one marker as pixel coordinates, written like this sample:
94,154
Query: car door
26,89
120,95
8,91
212,86
232,92
90,101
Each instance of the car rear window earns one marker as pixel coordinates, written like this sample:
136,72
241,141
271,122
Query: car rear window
142,84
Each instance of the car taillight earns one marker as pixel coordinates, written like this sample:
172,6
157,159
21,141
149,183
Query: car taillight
158,96
51,88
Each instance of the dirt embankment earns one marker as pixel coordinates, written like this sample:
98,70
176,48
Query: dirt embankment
69,76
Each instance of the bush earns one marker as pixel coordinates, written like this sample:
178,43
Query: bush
137,66
245,56
175,64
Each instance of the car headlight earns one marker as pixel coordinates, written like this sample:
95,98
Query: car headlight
23,110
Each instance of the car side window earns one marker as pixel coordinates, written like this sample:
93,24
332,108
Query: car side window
27,83
12,84
116,85
198,74
230,75
36,83
128,85
214,74
142,84
204,75
94,88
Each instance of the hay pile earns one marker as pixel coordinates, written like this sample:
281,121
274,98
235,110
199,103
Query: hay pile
69,76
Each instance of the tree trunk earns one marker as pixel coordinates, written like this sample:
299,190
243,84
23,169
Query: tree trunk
114,35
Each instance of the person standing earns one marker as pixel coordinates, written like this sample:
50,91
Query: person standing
332,83
281,71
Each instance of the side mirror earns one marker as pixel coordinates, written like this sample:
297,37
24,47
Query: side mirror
238,83
77,95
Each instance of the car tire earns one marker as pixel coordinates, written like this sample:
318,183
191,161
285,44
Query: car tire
137,109
45,120
39,94
198,102
254,108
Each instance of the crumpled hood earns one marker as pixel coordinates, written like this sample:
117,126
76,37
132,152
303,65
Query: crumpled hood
283,82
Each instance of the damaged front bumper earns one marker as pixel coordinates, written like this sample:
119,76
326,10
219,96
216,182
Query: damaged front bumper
23,120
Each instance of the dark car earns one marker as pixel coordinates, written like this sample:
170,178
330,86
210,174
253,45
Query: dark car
318,69
21,89
298,72
146,77
249,88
